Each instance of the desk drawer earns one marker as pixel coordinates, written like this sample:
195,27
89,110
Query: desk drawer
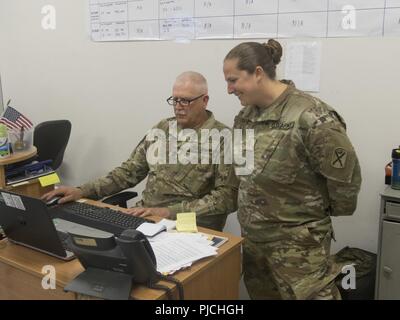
392,209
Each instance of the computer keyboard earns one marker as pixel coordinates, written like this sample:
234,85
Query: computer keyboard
101,218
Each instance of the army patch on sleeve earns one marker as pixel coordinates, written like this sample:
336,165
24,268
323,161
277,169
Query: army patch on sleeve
339,158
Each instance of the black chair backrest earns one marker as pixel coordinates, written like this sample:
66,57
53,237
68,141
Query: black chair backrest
51,138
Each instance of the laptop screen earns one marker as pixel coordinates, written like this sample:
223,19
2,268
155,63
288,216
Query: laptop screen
26,221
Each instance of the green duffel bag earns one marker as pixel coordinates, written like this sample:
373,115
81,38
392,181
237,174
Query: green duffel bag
365,266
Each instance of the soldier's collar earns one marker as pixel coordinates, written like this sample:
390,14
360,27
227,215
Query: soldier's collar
208,124
274,111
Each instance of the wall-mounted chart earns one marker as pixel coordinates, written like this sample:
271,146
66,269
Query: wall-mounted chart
126,20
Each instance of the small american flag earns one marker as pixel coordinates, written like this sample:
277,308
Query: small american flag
15,120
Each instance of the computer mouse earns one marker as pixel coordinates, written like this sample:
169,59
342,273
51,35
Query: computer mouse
53,201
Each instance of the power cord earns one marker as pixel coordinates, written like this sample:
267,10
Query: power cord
178,284
167,290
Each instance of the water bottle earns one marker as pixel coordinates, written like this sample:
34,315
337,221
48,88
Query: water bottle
396,168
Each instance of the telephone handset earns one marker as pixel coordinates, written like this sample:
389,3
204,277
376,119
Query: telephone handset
140,255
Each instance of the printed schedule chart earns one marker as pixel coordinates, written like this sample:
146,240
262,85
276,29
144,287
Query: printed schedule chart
130,20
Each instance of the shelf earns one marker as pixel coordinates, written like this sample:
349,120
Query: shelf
18,156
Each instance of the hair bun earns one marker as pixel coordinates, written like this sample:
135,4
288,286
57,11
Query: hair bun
275,50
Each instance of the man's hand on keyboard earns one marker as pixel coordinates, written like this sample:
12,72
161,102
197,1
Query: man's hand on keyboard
144,212
67,193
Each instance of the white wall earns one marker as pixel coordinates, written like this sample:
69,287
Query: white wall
114,92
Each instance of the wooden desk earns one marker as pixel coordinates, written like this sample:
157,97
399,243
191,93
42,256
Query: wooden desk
211,278
31,187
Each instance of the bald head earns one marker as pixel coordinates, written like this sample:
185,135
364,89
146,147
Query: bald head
191,86
193,80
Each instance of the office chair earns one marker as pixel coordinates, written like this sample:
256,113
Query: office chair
51,139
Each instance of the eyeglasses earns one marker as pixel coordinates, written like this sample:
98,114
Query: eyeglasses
172,101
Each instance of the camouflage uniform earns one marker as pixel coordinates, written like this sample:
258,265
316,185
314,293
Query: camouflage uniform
210,190
306,169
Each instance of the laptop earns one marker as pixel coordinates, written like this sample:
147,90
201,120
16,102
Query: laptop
29,222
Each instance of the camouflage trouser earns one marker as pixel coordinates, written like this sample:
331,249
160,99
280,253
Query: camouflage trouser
290,269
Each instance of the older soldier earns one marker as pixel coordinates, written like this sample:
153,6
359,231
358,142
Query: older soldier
306,170
209,189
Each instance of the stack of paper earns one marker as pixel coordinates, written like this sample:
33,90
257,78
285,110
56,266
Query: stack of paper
169,224
175,251
151,229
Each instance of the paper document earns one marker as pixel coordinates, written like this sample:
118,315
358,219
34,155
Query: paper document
49,180
169,224
174,250
303,64
186,222
151,229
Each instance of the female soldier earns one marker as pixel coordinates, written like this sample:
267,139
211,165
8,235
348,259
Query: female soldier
305,170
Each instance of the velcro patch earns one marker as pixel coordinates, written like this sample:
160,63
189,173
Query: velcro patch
339,158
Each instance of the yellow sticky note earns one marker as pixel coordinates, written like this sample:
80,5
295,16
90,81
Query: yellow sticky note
186,222
49,180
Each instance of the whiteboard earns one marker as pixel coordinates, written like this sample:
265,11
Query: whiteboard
129,20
